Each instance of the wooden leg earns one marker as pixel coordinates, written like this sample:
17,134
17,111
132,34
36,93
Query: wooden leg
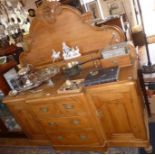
148,149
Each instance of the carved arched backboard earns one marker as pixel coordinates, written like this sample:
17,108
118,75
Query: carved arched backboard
56,23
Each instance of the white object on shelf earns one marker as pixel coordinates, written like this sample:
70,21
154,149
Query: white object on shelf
9,75
115,50
70,53
55,55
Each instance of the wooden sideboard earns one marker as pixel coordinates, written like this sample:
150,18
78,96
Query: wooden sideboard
101,116
98,117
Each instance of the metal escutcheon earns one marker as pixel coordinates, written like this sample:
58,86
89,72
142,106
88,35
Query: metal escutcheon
68,106
60,138
76,122
52,124
83,137
45,109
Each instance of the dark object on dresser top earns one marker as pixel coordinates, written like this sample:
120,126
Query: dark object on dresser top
102,76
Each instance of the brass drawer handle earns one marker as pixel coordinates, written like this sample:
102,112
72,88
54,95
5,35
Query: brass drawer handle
52,124
99,113
76,122
114,62
83,137
60,138
68,106
45,109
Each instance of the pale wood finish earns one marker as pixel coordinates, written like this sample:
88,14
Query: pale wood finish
117,61
98,117
86,138
110,114
116,105
60,106
65,24
66,120
65,124
26,120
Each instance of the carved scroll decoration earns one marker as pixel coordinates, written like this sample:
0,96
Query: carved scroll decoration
48,11
56,23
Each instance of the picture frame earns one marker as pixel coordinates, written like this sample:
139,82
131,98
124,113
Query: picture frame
38,3
9,75
31,12
115,7
94,8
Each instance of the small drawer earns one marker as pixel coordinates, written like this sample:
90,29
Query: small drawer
45,109
121,61
75,138
72,105
68,124
59,106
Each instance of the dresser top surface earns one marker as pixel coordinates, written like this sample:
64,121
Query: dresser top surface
127,74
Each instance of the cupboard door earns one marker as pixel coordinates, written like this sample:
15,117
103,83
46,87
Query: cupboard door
119,110
26,120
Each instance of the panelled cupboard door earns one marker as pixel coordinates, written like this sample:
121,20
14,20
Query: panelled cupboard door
28,123
119,110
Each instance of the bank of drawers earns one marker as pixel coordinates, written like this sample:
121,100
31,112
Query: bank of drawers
59,107
65,120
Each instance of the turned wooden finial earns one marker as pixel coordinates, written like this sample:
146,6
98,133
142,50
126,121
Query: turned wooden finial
48,11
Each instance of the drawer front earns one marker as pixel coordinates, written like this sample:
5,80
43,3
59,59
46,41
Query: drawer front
59,107
124,60
71,107
46,109
68,124
75,138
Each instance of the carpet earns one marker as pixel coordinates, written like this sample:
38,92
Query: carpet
49,150
26,150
